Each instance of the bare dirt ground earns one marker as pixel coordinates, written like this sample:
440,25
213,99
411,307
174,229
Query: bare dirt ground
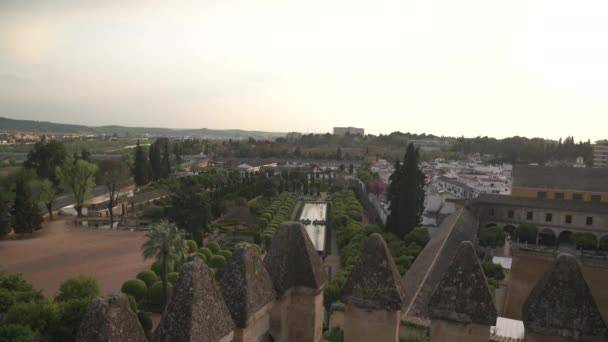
527,271
62,250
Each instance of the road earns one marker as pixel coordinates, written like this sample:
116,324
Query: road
67,200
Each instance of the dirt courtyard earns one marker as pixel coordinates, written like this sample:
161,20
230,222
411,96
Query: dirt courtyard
61,250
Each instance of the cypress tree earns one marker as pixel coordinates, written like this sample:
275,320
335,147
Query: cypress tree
5,222
140,169
154,157
165,162
26,216
406,193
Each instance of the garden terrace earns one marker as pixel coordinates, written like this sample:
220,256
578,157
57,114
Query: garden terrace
279,211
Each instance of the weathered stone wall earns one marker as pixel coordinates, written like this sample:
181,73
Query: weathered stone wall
445,331
532,337
257,328
302,316
361,325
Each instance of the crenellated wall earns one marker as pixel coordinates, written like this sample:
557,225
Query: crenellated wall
282,297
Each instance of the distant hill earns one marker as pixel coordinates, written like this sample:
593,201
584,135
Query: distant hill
44,127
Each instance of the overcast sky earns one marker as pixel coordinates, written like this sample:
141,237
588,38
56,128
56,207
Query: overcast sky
466,67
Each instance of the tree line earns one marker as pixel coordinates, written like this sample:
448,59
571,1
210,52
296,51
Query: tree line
50,172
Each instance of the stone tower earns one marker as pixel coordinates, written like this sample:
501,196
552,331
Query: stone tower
197,311
373,295
248,292
109,319
298,278
462,307
561,307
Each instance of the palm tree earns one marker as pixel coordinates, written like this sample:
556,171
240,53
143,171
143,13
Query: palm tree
166,243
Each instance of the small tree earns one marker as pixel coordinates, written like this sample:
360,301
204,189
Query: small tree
584,240
166,243
48,195
492,237
526,233
114,174
78,177
80,287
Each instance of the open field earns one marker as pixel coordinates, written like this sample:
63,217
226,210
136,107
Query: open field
527,271
61,250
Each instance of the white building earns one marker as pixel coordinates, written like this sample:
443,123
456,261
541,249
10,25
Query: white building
600,154
349,130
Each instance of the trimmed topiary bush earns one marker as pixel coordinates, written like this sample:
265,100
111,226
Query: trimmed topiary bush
200,256
226,254
172,277
135,287
214,247
217,262
155,293
157,267
207,252
192,246
148,277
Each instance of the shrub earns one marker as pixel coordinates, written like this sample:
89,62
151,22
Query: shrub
14,282
584,240
70,315
155,293
145,320
17,333
77,288
492,237
157,267
154,212
226,254
207,252
148,277
214,247
135,287
492,270
6,300
192,246
40,317
526,233
217,262
200,256
172,277
419,236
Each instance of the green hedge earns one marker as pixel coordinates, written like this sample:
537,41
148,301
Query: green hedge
217,262
172,277
135,287
207,252
192,246
157,267
214,247
226,254
155,293
148,277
